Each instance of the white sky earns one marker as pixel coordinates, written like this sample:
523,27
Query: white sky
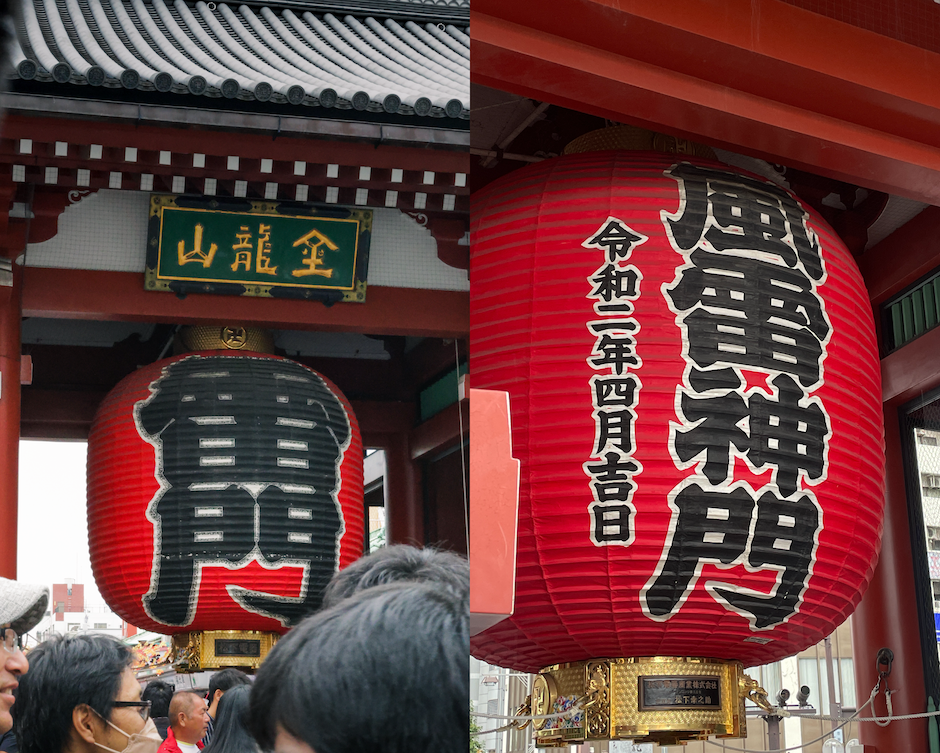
53,531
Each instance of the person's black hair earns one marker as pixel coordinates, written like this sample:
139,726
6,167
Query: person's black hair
65,672
384,670
398,563
225,681
159,694
230,730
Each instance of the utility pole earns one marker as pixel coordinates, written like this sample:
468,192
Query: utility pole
835,710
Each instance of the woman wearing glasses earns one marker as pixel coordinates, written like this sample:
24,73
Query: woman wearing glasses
81,696
22,606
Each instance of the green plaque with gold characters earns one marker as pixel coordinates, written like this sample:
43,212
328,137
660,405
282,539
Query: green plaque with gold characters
258,248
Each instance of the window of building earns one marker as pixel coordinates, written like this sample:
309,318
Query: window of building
847,685
927,439
930,480
101,626
813,674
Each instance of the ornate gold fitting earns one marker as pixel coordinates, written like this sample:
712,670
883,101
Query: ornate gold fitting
752,690
223,337
523,709
663,699
216,649
632,138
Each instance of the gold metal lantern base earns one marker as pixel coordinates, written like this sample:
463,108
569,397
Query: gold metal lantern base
663,699
216,649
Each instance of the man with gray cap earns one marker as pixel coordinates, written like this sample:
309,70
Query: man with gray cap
22,606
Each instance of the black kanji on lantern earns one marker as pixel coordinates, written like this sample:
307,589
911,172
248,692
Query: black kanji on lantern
787,436
752,313
613,478
784,539
723,211
716,428
781,433
610,392
746,299
613,282
708,526
616,351
716,527
248,456
616,238
615,392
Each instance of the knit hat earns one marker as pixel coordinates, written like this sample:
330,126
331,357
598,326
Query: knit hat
22,605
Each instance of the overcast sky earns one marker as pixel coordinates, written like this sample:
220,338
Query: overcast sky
53,531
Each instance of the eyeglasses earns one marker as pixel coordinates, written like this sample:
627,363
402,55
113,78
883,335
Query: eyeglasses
10,640
143,707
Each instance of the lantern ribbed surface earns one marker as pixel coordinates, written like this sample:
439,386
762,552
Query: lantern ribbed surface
224,490
696,404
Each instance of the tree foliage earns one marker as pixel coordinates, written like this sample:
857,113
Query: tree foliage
475,745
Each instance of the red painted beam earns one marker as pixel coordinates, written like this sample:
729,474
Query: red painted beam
120,296
767,48
903,257
440,431
763,78
912,369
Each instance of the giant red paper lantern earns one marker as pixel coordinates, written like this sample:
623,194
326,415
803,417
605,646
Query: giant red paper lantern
696,404
224,490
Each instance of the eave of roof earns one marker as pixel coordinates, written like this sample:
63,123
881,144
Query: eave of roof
261,54
454,11
404,134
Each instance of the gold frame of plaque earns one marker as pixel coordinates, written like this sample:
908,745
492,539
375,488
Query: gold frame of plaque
664,699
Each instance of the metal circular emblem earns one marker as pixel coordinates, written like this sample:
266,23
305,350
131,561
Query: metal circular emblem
234,338
544,692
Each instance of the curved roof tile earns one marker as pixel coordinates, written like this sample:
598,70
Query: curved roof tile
365,63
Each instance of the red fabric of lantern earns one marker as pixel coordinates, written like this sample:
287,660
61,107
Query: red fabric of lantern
696,404
224,490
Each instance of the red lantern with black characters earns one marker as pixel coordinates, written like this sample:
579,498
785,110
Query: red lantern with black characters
695,393
224,490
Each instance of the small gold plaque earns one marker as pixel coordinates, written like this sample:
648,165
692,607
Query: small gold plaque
216,649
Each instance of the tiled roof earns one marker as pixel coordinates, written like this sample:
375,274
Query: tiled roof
259,53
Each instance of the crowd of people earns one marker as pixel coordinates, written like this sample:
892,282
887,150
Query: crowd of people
382,666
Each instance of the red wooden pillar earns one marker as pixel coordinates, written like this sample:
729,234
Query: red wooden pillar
404,494
11,300
887,617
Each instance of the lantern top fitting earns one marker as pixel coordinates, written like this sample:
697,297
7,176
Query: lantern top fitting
627,138
231,336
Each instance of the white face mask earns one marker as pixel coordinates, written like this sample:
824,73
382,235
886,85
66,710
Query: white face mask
148,740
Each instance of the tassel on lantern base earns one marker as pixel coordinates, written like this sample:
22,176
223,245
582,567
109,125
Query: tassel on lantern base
666,700
217,649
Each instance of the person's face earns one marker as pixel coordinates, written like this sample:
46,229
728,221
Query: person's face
127,718
196,722
12,664
285,742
